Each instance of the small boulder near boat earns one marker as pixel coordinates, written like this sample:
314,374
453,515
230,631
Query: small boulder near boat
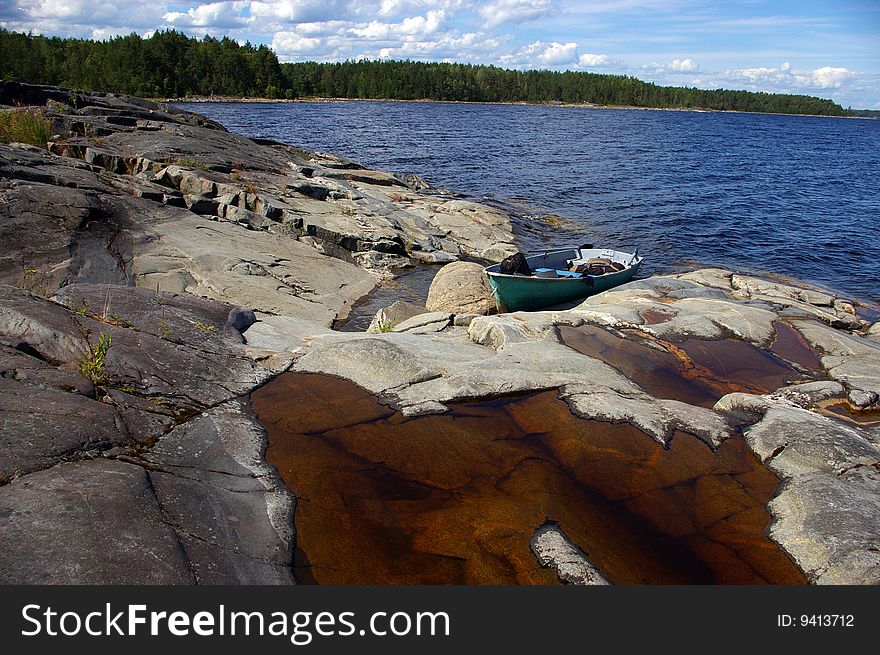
551,278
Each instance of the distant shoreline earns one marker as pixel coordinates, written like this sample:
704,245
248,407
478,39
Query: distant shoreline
582,105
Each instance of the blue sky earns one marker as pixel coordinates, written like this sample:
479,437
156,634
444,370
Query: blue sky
827,49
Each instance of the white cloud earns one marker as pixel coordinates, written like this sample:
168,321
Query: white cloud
540,54
829,77
291,44
589,60
785,79
217,15
499,12
413,25
444,47
684,65
296,11
323,28
79,18
559,54
57,9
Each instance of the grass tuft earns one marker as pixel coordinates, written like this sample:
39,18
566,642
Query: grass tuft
92,365
26,125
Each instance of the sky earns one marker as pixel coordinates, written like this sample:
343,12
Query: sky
826,49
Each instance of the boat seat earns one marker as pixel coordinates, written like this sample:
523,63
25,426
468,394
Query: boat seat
545,272
567,274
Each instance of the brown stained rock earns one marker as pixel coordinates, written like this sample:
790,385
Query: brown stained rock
653,316
792,347
456,498
694,371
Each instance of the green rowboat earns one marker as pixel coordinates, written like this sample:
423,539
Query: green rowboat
553,281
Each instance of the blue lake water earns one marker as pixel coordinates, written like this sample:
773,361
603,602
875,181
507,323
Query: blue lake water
795,196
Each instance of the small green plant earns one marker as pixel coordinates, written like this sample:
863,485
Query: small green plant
82,309
204,327
25,125
235,176
165,330
381,325
56,107
92,365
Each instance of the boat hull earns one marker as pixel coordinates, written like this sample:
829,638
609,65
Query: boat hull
529,293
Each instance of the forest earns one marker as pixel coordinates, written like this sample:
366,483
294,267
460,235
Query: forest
170,64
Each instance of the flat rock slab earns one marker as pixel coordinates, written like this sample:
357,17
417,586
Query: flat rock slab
234,518
40,426
40,328
88,522
830,524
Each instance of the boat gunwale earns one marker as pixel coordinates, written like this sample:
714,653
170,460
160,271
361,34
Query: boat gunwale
634,263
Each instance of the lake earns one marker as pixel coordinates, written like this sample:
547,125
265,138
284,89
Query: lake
793,196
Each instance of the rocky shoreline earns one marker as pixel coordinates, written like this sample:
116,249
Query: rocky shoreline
158,269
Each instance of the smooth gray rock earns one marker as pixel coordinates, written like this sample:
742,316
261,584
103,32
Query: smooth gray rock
89,522
829,525
38,327
795,441
19,366
852,360
424,323
40,426
283,334
712,318
223,499
268,273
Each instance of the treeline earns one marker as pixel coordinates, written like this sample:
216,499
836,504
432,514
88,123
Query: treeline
168,64
171,64
407,80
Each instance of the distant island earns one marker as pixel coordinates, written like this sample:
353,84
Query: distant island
170,64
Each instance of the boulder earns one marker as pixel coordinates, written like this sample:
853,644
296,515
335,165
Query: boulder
461,288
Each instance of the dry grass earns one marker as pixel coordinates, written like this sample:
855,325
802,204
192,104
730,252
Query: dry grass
26,125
